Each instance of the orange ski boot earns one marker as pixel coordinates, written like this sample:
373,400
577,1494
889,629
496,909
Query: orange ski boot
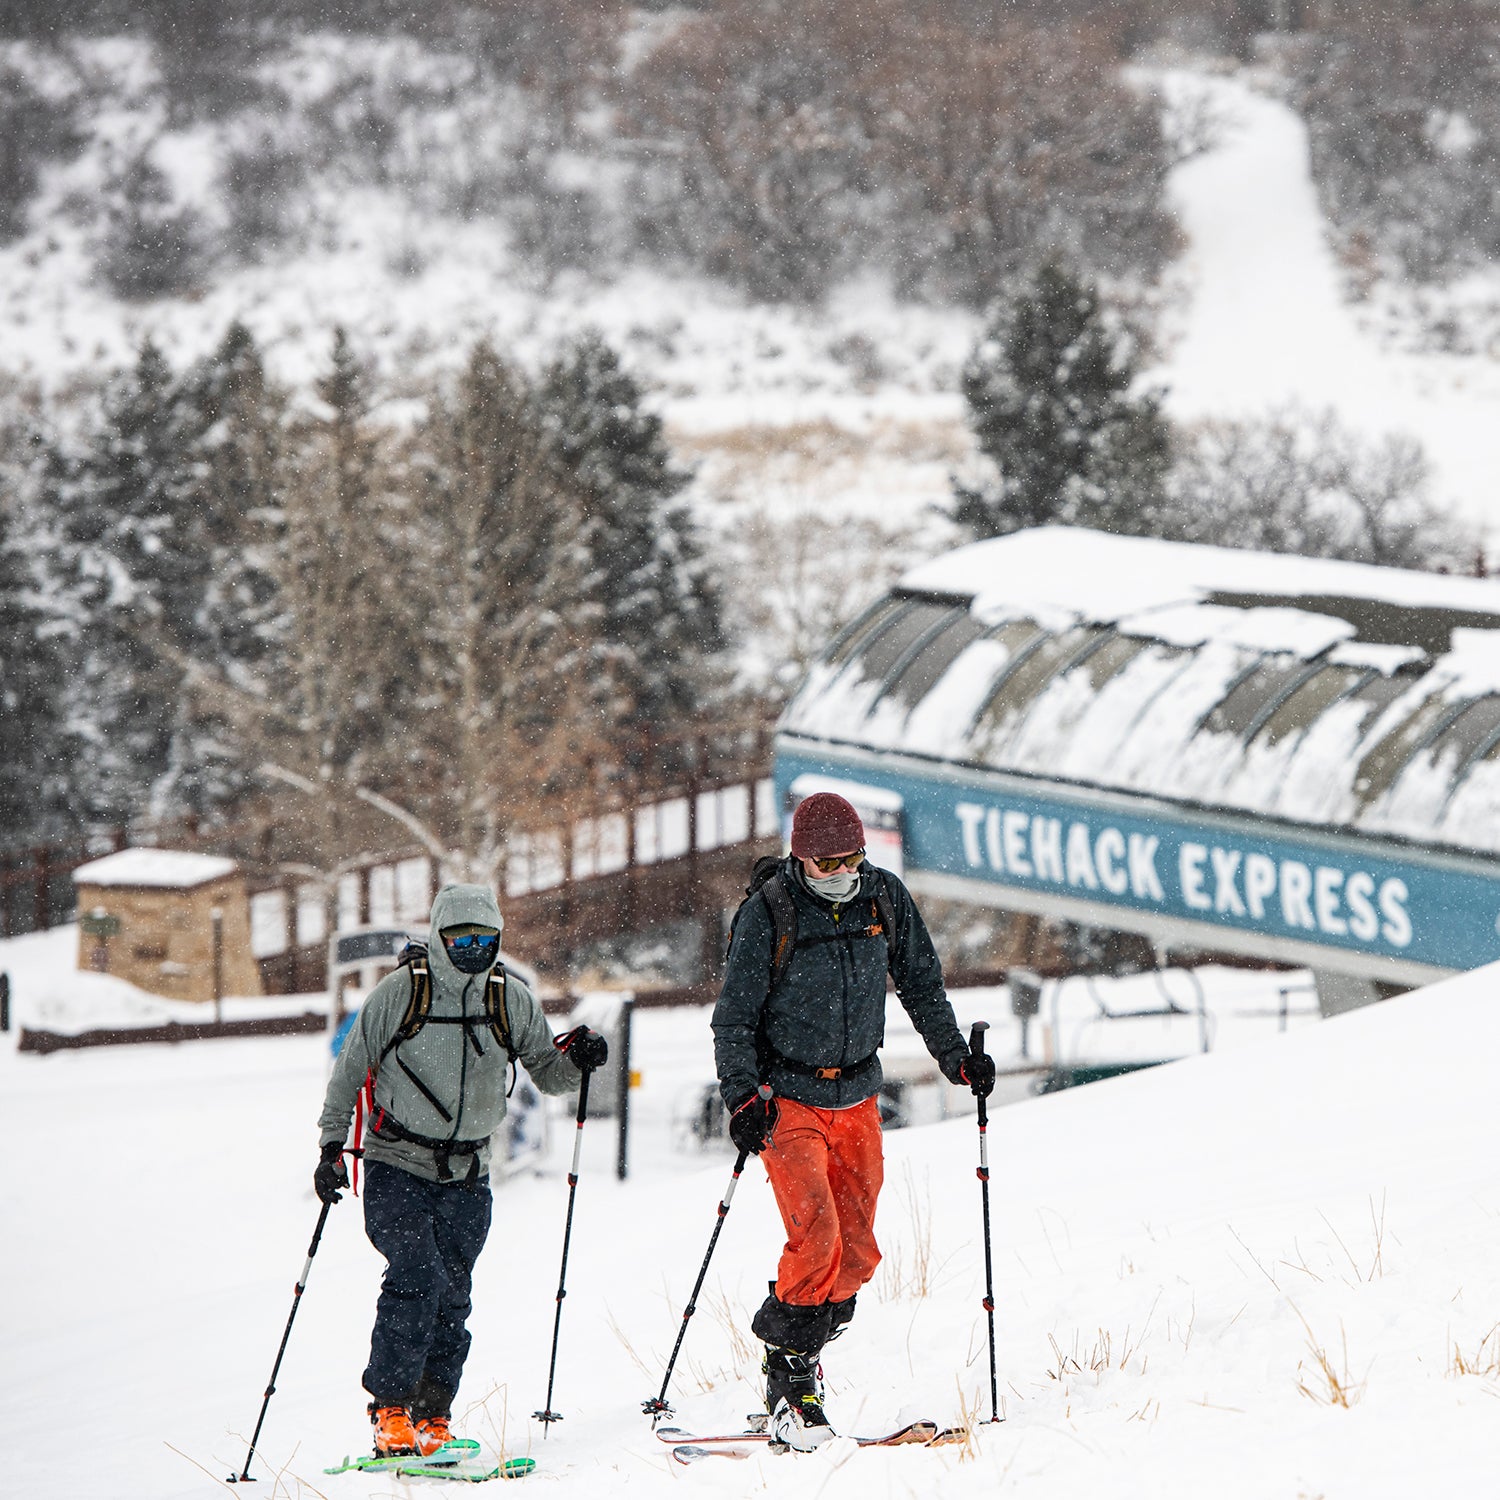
394,1434
432,1433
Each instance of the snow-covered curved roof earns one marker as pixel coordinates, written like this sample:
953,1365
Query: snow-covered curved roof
1334,694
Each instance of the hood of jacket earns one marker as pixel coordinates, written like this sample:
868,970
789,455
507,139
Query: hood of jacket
455,906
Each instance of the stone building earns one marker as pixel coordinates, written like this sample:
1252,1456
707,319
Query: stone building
148,916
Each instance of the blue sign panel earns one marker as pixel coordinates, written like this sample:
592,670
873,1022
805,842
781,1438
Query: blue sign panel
1358,894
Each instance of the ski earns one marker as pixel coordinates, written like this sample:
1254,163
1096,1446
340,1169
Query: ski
457,1460
912,1432
749,1444
692,1453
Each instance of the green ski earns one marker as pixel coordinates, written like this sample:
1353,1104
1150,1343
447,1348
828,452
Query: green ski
458,1460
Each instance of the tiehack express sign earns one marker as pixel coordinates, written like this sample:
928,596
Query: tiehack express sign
1230,872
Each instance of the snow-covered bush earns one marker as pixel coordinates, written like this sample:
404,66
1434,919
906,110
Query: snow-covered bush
1404,120
782,146
35,128
152,246
1303,482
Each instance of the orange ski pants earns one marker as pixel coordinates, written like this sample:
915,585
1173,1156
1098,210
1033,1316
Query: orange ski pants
826,1167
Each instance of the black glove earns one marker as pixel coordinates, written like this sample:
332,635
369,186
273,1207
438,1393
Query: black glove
585,1049
751,1122
331,1173
978,1071
970,1070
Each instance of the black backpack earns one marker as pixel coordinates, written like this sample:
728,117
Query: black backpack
768,882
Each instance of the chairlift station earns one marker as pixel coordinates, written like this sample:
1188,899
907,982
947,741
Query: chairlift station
1281,757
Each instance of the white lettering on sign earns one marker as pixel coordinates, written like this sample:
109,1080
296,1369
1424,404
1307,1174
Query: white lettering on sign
1234,883
1226,863
1396,929
1015,842
1296,887
969,818
1190,860
1081,858
1363,923
1144,882
1109,849
1260,882
1326,887
1046,849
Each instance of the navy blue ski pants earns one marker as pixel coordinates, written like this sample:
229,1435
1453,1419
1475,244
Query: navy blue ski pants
430,1234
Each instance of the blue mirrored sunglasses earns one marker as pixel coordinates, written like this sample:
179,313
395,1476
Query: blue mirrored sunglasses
472,940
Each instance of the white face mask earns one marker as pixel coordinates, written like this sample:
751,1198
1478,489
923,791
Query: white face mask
837,887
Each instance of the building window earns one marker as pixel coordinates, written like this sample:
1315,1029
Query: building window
919,675
1309,700
1384,762
1473,733
1256,695
1020,687
884,651
863,629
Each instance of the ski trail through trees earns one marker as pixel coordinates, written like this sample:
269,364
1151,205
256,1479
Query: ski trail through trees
1266,322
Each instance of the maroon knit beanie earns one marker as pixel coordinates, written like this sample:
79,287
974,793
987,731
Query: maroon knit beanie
825,825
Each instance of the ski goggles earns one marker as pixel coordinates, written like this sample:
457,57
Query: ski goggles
829,864
472,942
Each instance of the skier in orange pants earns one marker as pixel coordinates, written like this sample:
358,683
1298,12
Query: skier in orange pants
802,1009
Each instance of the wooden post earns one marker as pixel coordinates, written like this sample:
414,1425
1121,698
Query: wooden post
41,890
216,917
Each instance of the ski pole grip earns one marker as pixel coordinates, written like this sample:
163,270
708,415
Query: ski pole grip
976,1038
765,1091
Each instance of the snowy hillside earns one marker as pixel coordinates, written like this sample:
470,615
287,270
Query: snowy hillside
789,411
1196,1268
1266,321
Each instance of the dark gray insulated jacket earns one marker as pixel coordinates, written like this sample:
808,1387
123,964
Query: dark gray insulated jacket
829,1009
462,1066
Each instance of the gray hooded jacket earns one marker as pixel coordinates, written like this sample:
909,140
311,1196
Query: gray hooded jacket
462,1066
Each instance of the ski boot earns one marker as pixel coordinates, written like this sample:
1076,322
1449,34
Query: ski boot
432,1434
794,1398
395,1437
840,1315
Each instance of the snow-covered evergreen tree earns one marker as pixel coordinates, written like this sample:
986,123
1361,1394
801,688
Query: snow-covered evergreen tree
660,625
340,681
239,475
1050,392
507,584
236,523
135,567
34,754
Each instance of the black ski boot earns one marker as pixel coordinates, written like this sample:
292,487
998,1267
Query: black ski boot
794,1398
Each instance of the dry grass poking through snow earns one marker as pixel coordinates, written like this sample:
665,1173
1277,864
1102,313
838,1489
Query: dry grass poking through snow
907,1268
1484,1361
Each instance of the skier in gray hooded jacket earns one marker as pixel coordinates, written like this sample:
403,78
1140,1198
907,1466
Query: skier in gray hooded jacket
434,1100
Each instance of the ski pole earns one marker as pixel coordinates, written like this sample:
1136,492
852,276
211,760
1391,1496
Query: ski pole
657,1406
976,1049
312,1250
547,1416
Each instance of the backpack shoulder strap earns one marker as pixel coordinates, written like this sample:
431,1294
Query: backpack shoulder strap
885,911
783,912
496,1011
417,1007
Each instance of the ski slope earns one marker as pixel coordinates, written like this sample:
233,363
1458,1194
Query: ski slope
1176,1254
1266,322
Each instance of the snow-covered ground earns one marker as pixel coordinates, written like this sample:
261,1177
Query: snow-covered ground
1195,1268
1267,322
